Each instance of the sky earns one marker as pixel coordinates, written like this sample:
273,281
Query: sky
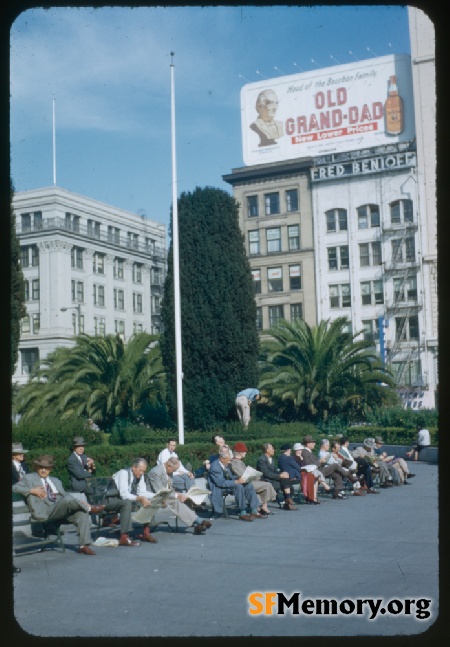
107,72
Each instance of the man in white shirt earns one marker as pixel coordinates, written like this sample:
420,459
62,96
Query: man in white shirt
423,441
182,479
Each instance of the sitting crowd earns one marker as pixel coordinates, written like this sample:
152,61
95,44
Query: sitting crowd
131,490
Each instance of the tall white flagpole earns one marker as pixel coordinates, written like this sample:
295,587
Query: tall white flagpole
176,264
54,143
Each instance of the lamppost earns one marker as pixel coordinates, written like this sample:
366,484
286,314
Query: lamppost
78,309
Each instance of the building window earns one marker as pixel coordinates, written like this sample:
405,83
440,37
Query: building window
133,240
35,290
372,293
294,237
403,250
401,211
407,373
150,245
275,279
76,257
256,274
77,323
273,240
340,296
137,273
296,311
405,289
36,323
370,254
99,263
119,299
72,222
272,203
338,258
292,200
253,242
99,326
119,327
25,220
259,320
93,229
25,325
118,268
252,206
156,305
368,216
99,295
371,330
407,328
137,302
29,357
276,313
156,276
26,286
336,220
113,235
295,277
29,255
77,291
137,327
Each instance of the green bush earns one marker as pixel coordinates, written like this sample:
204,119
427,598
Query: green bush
390,435
52,432
400,417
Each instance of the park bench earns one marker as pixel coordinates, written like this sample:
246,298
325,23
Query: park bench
30,534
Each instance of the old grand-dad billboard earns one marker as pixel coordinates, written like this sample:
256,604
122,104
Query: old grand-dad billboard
346,107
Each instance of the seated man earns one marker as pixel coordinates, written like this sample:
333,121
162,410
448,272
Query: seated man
287,463
182,478
387,474
362,467
272,474
19,466
336,472
335,457
397,463
219,441
221,479
160,478
311,477
263,489
49,502
81,468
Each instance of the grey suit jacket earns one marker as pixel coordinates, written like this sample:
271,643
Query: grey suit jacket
159,478
40,508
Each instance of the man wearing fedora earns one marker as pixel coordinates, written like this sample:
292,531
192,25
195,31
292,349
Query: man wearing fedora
367,452
19,466
49,502
279,480
81,468
263,489
397,463
335,471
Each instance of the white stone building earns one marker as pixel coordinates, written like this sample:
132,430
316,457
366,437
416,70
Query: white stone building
88,268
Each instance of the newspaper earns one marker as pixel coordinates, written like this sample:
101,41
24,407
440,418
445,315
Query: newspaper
197,494
141,516
250,475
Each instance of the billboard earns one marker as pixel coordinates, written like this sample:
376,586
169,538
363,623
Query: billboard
335,109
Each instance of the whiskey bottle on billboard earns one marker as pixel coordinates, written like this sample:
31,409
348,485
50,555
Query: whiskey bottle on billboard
393,109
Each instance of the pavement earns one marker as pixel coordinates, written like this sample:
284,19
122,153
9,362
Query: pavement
382,547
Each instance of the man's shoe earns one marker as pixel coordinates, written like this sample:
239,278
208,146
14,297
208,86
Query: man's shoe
289,505
410,476
258,515
146,536
109,523
126,541
95,509
246,517
206,524
358,493
86,550
405,482
199,529
370,490
384,485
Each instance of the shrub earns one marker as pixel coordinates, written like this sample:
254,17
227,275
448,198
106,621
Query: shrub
49,431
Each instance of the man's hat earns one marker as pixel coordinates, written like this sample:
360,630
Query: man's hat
378,439
308,439
298,446
285,447
240,447
78,441
45,460
370,443
18,449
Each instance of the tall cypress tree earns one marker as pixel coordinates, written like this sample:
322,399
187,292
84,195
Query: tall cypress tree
218,312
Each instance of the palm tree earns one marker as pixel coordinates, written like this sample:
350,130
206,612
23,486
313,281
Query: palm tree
312,372
100,378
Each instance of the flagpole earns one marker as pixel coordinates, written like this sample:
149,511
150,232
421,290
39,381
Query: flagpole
54,143
176,264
